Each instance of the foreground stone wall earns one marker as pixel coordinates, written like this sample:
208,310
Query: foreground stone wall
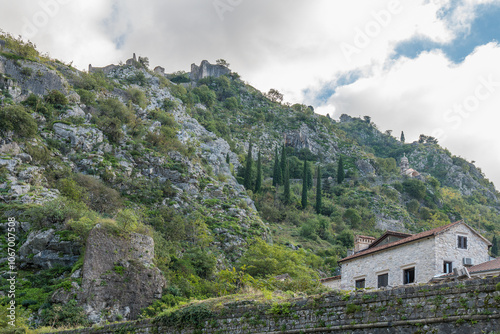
460,307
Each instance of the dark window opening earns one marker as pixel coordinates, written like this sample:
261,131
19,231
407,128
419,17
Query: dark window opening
360,283
447,267
383,280
409,275
462,242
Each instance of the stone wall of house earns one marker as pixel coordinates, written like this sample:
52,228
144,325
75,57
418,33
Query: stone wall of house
418,254
465,307
447,247
426,255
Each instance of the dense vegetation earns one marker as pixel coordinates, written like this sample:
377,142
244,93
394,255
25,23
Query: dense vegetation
311,203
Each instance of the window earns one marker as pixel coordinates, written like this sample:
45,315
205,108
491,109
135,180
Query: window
360,283
447,267
409,275
383,280
462,242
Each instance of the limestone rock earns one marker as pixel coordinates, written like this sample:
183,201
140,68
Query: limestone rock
75,111
41,81
119,275
207,70
83,138
44,249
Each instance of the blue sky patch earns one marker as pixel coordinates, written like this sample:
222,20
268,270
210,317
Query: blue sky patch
484,29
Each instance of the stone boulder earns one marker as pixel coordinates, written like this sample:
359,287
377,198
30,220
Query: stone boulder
45,250
119,277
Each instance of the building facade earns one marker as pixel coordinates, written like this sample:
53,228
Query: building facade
396,258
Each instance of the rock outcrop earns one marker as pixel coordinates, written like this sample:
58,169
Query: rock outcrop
119,277
27,77
80,137
207,70
45,250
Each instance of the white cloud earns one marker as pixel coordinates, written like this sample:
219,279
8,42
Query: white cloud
433,96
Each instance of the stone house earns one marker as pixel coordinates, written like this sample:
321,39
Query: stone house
398,258
331,282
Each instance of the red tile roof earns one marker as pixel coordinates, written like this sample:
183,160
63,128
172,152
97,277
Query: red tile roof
486,266
411,238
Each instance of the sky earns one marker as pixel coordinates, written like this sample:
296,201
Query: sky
419,66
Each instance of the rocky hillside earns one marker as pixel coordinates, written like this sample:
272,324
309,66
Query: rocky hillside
125,173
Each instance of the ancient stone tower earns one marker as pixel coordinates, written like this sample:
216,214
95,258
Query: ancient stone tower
404,165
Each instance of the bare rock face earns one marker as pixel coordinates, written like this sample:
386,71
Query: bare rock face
207,70
32,77
119,277
81,137
45,250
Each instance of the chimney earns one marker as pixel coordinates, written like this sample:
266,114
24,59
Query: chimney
362,242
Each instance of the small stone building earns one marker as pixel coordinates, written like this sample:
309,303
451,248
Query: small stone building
331,282
397,258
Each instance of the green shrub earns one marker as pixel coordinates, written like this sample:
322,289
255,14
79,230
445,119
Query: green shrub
27,71
352,308
69,314
16,119
415,188
138,97
56,211
205,94
86,97
56,98
264,260
192,315
99,197
231,103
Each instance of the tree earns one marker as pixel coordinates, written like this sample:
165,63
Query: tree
352,217
494,247
228,160
304,186
222,62
274,95
318,191
367,119
144,61
286,183
309,177
402,137
276,169
248,168
283,163
340,171
258,181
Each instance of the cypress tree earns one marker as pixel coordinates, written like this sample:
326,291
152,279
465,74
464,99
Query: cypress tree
283,163
258,181
318,191
286,183
309,177
494,247
248,168
276,169
340,171
228,160
402,137
304,186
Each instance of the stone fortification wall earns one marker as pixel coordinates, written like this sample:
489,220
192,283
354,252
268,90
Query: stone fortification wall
459,307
